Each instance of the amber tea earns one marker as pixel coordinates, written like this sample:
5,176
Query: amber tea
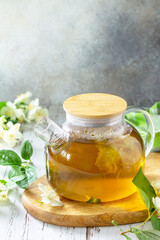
100,169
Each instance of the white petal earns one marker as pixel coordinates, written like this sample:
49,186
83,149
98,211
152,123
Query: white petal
9,124
2,120
56,203
24,97
13,117
11,105
156,202
9,138
42,188
32,114
156,184
1,132
45,199
49,196
4,192
35,103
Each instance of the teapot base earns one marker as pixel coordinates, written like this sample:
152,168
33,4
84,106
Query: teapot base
79,214
110,192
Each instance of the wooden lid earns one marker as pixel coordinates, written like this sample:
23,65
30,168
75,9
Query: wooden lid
95,105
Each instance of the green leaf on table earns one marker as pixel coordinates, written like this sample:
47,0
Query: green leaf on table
145,189
9,158
94,200
30,176
2,104
16,174
26,150
155,222
146,235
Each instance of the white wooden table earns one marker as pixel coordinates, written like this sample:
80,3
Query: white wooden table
17,224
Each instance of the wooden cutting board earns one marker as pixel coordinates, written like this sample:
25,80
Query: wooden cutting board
77,214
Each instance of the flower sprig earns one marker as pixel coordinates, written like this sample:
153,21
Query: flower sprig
23,109
3,190
9,132
22,173
49,196
152,202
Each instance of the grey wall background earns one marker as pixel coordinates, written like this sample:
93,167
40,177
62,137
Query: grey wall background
59,48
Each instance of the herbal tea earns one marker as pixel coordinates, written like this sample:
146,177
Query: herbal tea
100,169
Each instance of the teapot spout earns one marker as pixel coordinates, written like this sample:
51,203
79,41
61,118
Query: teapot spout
53,135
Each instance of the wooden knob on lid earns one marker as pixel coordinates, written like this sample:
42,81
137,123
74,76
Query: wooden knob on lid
95,105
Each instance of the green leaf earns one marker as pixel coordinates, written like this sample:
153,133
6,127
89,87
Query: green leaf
128,238
156,121
116,225
3,182
146,190
137,120
16,174
145,198
30,176
9,158
26,150
157,140
146,235
155,109
2,104
93,200
155,222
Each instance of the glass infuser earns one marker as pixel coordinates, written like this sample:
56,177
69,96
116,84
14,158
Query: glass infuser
95,153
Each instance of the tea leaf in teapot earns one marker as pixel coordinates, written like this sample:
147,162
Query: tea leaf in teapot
94,200
145,189
155,222
26,150
9,158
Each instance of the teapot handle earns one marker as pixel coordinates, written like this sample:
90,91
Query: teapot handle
150,127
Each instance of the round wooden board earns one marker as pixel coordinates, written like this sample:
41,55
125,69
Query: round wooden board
77,214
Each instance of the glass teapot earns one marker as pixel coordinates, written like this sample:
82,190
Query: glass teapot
95,154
